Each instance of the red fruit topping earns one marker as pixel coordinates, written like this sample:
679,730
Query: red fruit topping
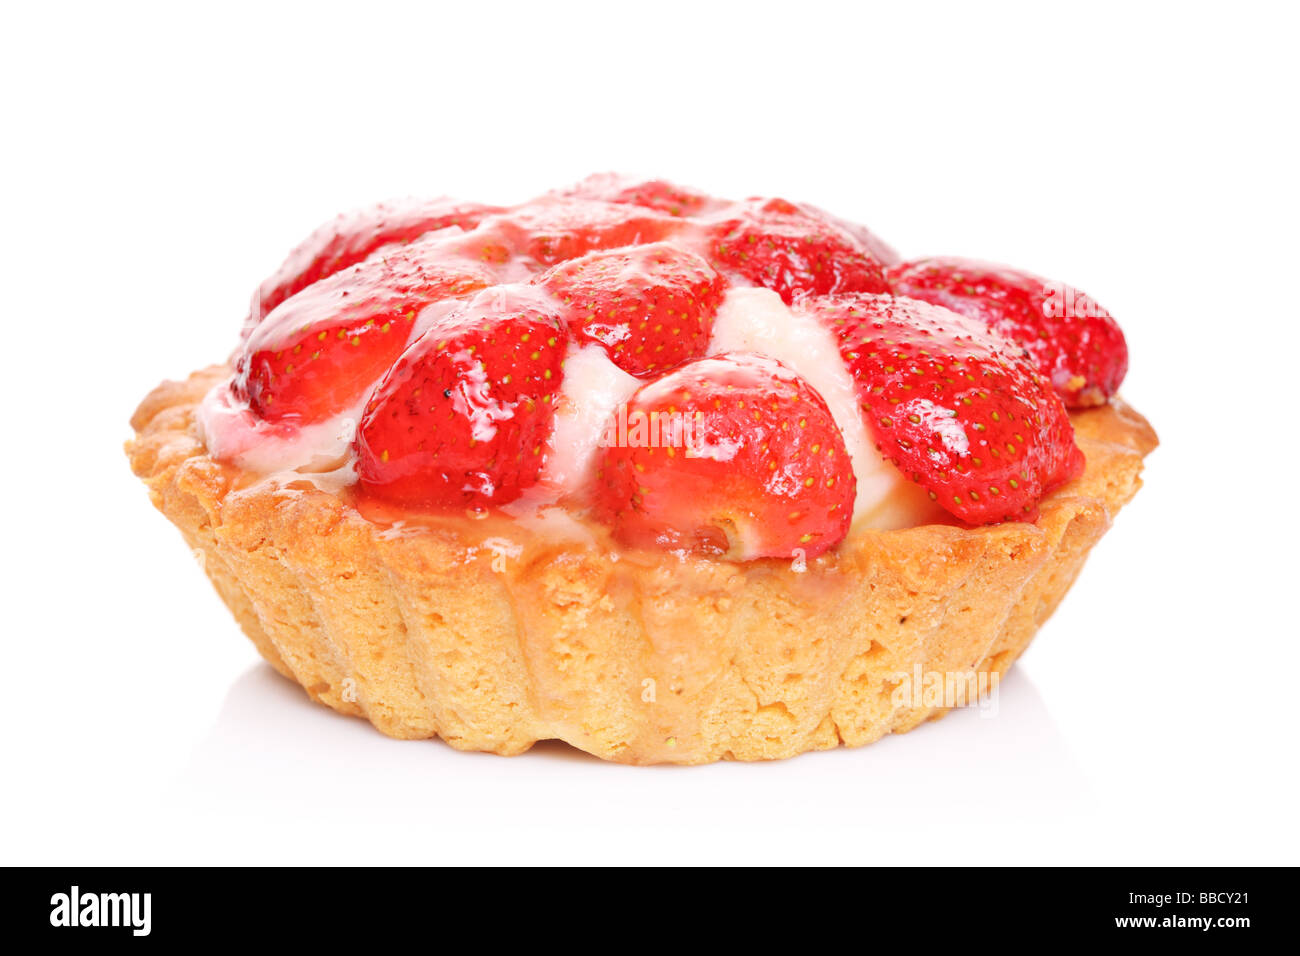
491,245
463,417
1073,340
351,237
732,455
651,193
776,244
651,306
958,408
553,231
880,250
319,350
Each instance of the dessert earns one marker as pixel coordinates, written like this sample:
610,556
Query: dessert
668,477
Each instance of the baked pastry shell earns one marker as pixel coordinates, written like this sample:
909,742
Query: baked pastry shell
493,636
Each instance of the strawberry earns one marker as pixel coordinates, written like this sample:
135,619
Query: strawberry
551,231
651,306
1073,340
780,246
880,250
316,353
351,237
462,418
651,193
732,455
958,408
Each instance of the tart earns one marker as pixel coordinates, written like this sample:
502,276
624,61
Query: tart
668,477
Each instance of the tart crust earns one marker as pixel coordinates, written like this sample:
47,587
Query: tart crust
493,636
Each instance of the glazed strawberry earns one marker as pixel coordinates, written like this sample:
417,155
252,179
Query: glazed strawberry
776,244
462,419
1074,341
351,237
732,455
651,306
880,250
956,407
651,193
552,231
317,352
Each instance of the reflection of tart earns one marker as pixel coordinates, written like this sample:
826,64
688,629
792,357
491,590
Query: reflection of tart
669,478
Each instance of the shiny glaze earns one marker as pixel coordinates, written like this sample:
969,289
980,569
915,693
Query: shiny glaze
406,298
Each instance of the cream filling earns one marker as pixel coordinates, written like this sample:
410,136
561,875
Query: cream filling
756,320
591,392
233,433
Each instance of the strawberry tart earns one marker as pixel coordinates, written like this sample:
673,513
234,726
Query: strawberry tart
668,477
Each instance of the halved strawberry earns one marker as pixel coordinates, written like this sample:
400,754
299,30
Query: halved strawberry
775,244
551,231
958,408
1074,341
651,193
733,455
318,351
462,418
351,237
651,306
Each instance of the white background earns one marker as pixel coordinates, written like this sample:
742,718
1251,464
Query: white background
156,164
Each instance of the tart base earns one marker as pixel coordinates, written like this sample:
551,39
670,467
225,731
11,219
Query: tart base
493,636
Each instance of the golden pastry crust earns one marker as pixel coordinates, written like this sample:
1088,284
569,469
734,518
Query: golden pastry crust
492,636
